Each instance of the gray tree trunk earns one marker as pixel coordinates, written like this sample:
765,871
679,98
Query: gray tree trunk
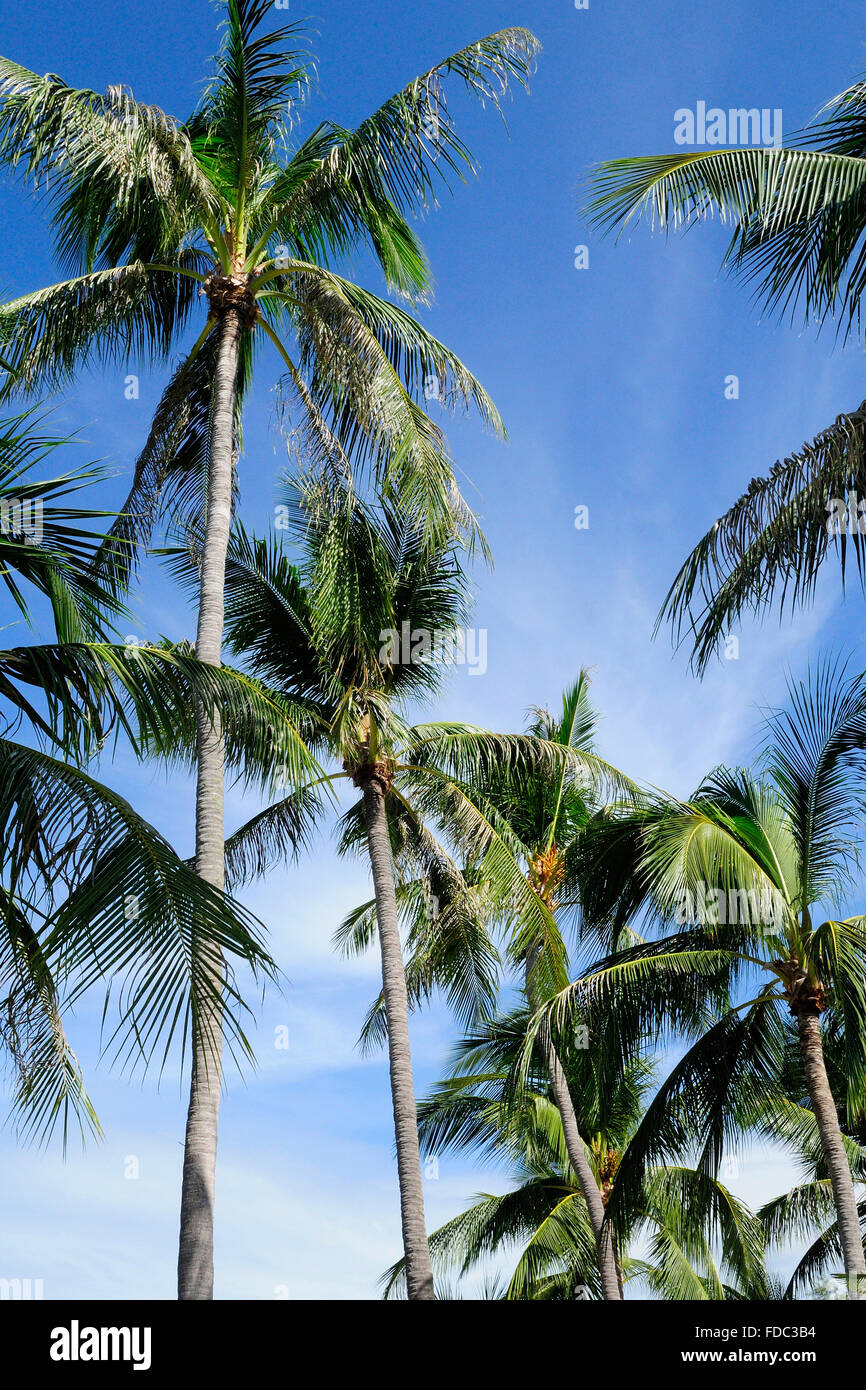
607,1268
844,1196
195,1253
419,1275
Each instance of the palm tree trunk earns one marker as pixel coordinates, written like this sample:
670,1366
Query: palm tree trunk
824,1106
195,1254
610,1285
419,1274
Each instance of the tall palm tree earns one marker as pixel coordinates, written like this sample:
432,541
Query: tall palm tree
797,219
320,634
486,1109
547,815
745,872
153,213
538,810
90,892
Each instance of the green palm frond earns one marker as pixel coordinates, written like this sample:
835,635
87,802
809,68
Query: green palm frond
121,176
796,214
324,204
770,545
42,541
796,1215
345,186
47,1084
672,1273
131,913
277,835
703,1216
713,843
259,77
815,749
109,315
362,362
150,693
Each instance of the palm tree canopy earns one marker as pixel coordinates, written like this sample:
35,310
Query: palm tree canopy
319,626
150,212
702,1242
734,886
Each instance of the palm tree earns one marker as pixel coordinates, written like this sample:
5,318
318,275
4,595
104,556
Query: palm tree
486,1109
152,213
320,634
538,811
90,892
546,815
807,1211
745,872
797,222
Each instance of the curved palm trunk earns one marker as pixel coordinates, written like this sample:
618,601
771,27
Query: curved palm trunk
824,1106
419,1275
607,1267
195,1254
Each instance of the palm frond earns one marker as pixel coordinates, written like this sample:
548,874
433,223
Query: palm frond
768,548
121,176
111,315
344,186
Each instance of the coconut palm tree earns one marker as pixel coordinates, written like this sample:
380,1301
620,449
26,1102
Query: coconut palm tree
327,634
797,220
538,811
807,1211
534,813
153,213
90,892
487,1109
546,815
745,873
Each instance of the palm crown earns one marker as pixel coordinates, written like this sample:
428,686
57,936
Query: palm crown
697,1237
517,822
151,213
745,873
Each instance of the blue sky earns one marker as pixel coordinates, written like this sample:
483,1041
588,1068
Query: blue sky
612,384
